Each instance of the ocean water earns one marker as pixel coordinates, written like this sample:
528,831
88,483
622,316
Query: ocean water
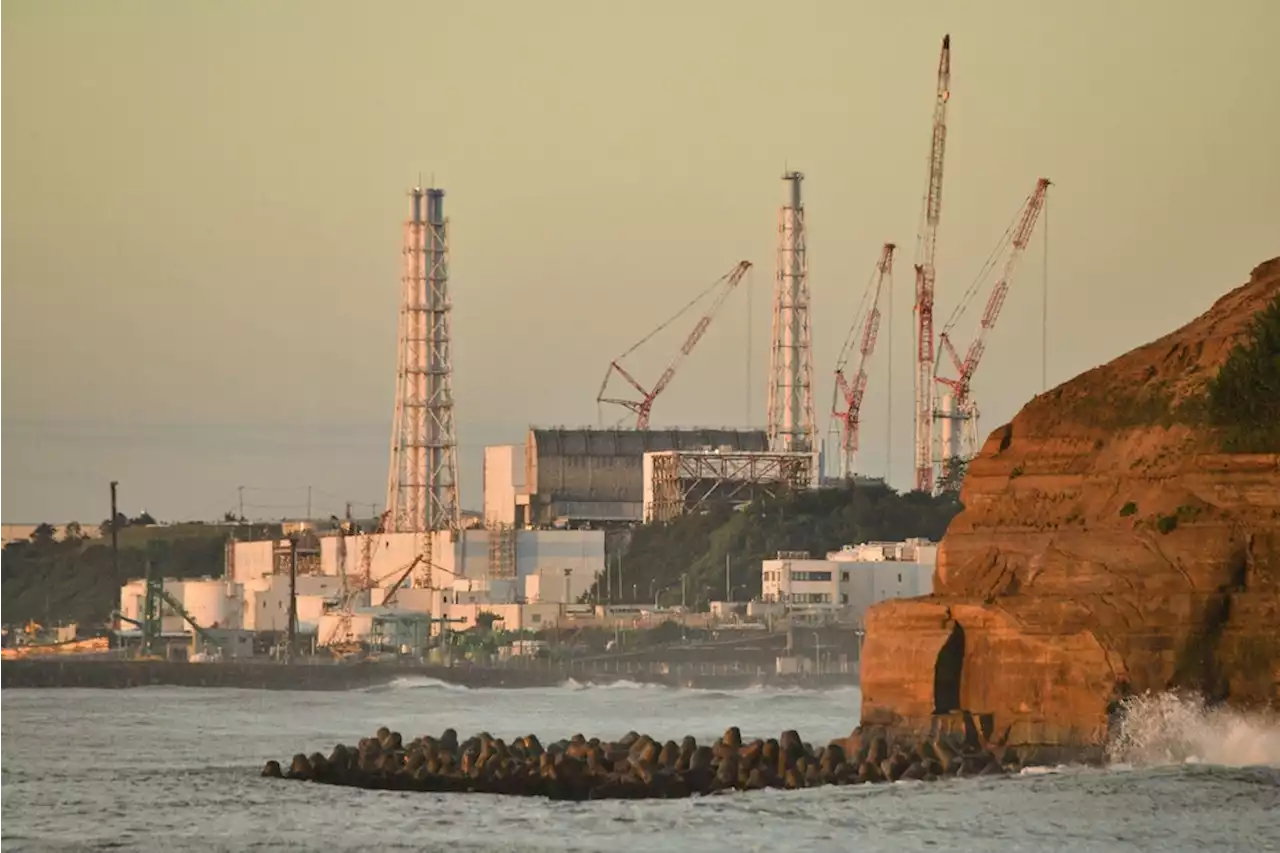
176,769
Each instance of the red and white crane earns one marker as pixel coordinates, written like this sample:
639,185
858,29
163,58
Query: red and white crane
962,408
926,248
850,392
643,406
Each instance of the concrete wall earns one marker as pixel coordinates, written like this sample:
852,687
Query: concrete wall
504,473
390,554
266,601
247,561
580,550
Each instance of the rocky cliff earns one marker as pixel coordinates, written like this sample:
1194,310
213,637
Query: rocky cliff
1108,545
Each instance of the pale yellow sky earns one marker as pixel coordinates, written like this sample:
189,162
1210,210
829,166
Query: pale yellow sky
201,217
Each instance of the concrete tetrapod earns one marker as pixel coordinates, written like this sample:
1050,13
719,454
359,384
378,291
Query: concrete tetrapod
635,766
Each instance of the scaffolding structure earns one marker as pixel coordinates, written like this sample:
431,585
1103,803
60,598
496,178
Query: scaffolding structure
679,482
502,549
791,419
422,480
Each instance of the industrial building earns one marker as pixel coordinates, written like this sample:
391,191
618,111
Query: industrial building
577,477
850,580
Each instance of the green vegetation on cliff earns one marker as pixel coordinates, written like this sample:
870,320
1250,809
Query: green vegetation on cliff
73,581
1243,400
816,521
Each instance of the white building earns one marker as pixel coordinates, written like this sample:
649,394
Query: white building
550,569
852,579
506,499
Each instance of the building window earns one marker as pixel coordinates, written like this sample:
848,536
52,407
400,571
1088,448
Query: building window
537,617
844,598
899,577
811,576
844,576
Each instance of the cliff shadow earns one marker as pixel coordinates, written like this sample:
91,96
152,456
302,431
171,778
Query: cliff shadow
947,671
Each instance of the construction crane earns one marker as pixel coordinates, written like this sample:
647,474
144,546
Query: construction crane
340,638
642,407
962,409
850,393
926,247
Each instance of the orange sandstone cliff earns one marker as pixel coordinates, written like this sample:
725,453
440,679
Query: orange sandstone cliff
1107,546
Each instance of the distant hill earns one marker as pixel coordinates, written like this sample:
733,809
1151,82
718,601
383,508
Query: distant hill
54,580
815,521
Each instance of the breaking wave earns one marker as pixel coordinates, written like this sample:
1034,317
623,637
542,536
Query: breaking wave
416,682
1167,729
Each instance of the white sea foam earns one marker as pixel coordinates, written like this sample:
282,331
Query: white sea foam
1166,729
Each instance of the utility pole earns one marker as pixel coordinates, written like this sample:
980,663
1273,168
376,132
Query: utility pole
240,492
149,616
308,503
293,598
683,588
115,540
728,588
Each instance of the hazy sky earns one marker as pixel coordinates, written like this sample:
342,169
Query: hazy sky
202,206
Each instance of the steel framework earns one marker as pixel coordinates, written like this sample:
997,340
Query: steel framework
960,410
502,550
791,419
926,248
723,286
422,482
683,481
850,393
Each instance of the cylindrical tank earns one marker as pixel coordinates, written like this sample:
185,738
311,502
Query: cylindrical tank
205,601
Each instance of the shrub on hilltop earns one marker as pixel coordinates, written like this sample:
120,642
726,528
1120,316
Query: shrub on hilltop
816,521
1243,400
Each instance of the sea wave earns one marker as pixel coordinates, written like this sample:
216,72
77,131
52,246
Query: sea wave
1168,729
418,682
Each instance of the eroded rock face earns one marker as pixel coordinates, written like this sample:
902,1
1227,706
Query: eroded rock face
1107,546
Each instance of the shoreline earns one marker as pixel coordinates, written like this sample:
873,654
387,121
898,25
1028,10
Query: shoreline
126,674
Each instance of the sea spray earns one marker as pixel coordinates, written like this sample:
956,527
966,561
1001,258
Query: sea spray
1167,728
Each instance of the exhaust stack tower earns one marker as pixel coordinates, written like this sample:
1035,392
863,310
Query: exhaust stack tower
422,482
791,418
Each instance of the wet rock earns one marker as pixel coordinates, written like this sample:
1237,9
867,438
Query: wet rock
635,766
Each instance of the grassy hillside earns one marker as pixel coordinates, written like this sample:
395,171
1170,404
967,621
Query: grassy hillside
54,582
817,521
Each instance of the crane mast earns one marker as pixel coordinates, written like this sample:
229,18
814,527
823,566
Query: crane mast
925,252
852,392
642,407
961,407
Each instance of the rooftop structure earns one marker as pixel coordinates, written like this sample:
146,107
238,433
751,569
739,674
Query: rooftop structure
596,476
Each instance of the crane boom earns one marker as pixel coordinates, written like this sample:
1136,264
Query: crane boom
925,274
1021,234
725,285
853,392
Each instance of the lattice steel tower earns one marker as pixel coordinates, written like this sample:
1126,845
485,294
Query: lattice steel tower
422,483
791,420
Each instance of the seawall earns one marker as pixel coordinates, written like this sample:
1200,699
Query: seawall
118,674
